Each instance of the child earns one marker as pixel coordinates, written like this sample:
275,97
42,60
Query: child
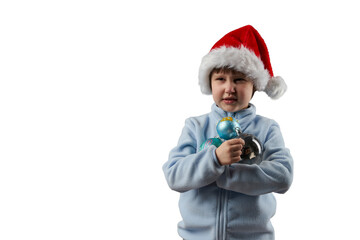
222,198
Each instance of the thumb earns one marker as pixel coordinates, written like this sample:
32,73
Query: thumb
236,141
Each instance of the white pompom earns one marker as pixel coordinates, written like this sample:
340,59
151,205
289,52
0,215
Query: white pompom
276,87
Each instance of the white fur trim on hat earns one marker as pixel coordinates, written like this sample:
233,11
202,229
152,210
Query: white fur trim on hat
240,59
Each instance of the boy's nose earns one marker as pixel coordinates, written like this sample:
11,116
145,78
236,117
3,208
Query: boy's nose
230,87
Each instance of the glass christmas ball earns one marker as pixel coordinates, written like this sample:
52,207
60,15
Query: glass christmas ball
227,128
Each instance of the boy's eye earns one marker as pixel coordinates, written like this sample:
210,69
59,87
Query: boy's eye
220,78
239,80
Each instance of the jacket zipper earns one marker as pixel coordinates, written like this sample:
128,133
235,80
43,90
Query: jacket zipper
222,208
221,215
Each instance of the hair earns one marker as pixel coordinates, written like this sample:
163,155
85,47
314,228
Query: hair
225,69
228,69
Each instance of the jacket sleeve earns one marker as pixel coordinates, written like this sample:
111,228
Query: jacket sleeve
188,169
273,174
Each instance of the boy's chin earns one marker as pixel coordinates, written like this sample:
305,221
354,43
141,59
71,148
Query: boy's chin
232,107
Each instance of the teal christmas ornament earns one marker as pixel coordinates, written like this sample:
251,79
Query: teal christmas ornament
211,141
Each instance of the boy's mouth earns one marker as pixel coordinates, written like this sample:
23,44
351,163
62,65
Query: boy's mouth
229,100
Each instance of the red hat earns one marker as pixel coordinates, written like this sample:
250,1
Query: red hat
245,51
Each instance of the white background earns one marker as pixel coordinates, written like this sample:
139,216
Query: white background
94,94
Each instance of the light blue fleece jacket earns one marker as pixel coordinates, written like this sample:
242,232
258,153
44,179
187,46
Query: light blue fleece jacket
228,202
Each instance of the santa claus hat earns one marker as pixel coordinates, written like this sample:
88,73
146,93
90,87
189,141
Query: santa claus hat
245,51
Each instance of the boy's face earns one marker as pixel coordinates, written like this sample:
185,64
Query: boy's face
232,91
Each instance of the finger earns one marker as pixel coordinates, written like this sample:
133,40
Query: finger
236,147
235,159
236,153
236,141
239,141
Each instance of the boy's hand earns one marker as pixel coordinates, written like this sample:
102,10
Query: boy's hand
229,152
